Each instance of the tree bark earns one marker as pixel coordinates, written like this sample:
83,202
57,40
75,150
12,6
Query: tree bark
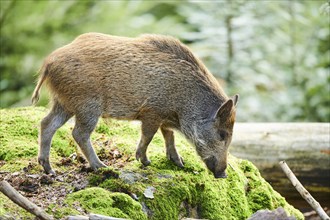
307,145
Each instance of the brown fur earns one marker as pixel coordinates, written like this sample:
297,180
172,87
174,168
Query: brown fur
155,79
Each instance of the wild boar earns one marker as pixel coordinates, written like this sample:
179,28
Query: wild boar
154,79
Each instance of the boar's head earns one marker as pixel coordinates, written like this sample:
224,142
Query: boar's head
213,136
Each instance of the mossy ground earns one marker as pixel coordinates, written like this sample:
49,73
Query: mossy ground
188,192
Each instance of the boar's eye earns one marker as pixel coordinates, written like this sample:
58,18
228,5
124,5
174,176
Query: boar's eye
223,134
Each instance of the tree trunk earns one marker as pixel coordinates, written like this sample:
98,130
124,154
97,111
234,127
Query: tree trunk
230,48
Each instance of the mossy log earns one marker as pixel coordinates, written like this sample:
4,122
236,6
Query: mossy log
304,146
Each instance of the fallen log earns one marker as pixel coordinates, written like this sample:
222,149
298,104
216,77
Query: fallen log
306,146
23,202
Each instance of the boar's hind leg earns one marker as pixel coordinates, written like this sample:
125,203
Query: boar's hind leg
148,130
53,121
85,124
171,151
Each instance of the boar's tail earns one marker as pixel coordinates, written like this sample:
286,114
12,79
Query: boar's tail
42,76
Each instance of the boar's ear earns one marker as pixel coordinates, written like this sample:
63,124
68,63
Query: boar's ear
225,110
235,99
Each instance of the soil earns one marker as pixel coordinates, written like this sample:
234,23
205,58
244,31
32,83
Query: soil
43,189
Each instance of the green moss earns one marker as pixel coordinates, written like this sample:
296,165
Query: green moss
168,197
63,143
100,201
186,192
16,165
62,212
95,180
7,207
128,206
18,133
2,203
117,185
261,195
103,129
105,173
110,127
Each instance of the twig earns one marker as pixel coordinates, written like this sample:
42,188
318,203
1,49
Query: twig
23,202
303,192
232,167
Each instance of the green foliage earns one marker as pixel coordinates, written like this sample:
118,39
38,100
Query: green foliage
21,133
274,53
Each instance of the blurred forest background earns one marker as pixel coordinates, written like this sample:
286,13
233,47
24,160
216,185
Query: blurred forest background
275,54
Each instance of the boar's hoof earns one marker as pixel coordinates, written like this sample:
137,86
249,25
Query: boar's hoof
178,161
46,166
175,158
97,165
144,160
52,172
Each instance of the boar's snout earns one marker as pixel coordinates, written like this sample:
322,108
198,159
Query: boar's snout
216,167
221,174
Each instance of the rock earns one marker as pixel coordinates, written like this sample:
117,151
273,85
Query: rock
277,214
130,177
149,192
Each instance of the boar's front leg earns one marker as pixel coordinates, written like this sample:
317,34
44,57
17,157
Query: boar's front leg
54,120
171,151
85,124
148,129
